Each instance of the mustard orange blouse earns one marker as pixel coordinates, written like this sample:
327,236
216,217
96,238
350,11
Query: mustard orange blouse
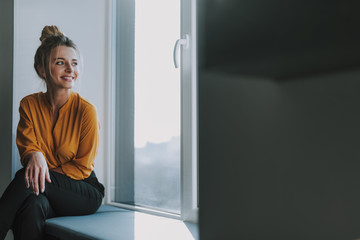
73,141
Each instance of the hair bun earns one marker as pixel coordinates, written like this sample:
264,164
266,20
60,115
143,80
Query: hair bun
50,31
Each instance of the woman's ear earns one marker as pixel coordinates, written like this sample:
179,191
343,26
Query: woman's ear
41,72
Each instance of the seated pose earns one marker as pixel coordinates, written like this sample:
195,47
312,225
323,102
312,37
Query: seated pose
57,138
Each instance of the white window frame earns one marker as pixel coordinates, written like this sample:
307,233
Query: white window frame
189,140
189,123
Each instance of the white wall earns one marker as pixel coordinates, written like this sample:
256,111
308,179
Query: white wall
85,22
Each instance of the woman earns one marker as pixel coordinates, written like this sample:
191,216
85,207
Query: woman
57,138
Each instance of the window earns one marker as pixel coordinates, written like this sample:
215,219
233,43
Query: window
153,165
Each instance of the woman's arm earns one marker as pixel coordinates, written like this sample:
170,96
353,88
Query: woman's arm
82,165
31,155
25,136
36,172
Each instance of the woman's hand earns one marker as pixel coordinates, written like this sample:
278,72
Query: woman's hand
36,172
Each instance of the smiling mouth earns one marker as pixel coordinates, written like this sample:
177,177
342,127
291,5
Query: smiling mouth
69,79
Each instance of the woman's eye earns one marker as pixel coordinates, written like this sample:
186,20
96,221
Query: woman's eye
74,63
59,63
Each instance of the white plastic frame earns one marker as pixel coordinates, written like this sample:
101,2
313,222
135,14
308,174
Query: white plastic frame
189,171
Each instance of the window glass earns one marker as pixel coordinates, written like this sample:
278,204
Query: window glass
157,105
148,168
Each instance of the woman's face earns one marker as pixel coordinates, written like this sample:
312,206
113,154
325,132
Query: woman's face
64,69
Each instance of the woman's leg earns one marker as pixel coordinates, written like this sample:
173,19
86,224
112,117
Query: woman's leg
11,201
70,197
65,195
30,218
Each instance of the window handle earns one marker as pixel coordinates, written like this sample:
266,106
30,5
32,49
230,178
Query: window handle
185,43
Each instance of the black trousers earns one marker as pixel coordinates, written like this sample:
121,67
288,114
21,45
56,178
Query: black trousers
25,213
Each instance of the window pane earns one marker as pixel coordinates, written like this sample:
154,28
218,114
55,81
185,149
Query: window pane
156,105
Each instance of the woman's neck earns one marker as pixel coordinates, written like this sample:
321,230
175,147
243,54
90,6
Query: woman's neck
57,98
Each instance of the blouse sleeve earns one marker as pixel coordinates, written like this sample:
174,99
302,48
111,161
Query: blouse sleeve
25,135
83,163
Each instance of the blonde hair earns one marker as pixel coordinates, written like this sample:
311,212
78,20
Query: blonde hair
51,37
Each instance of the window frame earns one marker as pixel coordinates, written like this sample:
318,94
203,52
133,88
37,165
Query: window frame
189,140
189,116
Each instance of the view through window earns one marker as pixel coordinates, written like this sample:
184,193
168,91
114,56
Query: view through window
157,105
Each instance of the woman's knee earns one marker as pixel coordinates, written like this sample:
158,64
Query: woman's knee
20,177
35,205
20,173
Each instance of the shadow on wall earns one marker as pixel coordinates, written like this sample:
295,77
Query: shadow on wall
279,39
279,119
285,156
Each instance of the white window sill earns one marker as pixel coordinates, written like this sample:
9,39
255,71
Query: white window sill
111,223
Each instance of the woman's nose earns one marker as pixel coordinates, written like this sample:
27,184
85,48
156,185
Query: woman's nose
69,68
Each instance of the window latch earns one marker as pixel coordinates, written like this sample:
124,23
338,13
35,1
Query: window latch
185,43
